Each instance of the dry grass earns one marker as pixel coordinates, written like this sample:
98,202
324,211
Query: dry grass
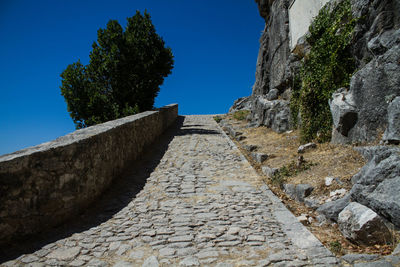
327,160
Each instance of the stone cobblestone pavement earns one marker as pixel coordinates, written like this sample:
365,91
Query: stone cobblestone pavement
203,205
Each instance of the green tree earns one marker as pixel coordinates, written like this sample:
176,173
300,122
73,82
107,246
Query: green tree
124,74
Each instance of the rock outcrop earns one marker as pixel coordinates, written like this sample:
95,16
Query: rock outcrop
269,105
377,185
363,226
360,112
363,112
392,133
243,103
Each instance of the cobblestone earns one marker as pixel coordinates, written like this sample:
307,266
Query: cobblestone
202,205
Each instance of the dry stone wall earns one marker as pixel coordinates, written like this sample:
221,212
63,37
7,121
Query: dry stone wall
44,185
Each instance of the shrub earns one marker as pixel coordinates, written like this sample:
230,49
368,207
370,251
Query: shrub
241,115
329,66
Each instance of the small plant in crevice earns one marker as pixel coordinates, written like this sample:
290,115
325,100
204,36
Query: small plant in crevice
241,115
329,66
335,247
292,169
218,119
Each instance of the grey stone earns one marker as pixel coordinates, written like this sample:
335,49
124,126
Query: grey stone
138,254
167,252
229,243
183,238
29,259
258,238
186,251
395,260
396,251
377,184
380,263
97,263
362,225
122,249
259,157
151,262
207,254
273,94
243,103
352,258
77,263
114,245
380,78
64,254
274,47
332,209
306,147
392,133
224,264
311,203
272,114
123,264
298,192
189,261
270,172
250,148
344,111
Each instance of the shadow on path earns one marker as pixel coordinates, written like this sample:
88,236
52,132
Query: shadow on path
118,196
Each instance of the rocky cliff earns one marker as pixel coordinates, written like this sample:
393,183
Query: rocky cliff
366,107
359,112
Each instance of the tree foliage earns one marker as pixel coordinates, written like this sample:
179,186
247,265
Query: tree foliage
124,74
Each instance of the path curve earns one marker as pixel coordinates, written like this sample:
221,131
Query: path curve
202,205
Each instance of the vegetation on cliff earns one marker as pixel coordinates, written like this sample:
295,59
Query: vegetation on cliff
326,68
123,76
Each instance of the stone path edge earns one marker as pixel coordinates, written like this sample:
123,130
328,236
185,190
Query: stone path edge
297,232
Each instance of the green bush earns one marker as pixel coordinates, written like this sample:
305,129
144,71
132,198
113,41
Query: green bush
217,119
292,169
335,247
329,66
241,115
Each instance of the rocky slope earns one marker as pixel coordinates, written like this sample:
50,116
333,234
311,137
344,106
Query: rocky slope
360,112
367,112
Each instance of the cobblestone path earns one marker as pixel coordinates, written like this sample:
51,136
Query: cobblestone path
203,205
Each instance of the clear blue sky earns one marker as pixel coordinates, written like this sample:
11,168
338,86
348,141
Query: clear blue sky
214,42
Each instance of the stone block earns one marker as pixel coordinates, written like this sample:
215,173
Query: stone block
362,225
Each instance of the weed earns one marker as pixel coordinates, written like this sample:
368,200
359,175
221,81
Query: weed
335,247
292,169
241,115
218,119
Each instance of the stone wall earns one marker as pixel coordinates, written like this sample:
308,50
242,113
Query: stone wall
42,186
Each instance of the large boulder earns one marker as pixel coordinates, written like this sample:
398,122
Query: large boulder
243,103
332,209
362,225
274,114
377,184
344,111
298,192
392,133
360,114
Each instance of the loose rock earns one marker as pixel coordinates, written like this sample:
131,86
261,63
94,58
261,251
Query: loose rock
362,225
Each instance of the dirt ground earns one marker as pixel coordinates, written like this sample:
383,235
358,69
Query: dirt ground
326,160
